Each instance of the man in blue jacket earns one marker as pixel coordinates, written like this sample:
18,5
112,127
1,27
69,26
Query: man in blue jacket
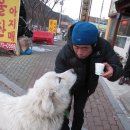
84,48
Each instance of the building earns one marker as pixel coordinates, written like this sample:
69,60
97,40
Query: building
118,29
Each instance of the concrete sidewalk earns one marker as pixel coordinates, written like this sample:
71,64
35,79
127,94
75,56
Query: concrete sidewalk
102,111
118,107
121,94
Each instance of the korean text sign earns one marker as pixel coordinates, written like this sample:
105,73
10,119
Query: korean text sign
9,16
52,26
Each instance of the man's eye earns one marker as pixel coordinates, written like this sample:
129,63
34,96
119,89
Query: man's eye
59,79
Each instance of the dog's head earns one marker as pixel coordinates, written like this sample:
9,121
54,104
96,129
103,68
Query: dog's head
52,91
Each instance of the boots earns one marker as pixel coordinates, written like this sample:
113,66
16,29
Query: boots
124,80
127,80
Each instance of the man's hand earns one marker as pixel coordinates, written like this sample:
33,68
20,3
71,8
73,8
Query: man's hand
108,71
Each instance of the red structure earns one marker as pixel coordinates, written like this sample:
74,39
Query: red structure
42,36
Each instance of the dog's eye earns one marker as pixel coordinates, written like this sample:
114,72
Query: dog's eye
59,78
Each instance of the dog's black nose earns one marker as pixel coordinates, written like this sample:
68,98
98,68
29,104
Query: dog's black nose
73,72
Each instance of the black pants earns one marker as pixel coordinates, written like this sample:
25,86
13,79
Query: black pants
126,71
80,98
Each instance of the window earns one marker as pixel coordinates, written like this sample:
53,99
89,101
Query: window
120,41
124,28
123,32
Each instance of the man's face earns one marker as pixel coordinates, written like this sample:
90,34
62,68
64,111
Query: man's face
82,51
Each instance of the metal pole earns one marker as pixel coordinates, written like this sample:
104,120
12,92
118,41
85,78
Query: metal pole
61,3
100,13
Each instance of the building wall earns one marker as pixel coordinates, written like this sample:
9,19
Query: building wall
95,19
122,41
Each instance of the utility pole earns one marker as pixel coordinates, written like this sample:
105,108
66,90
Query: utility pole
100,13
59,22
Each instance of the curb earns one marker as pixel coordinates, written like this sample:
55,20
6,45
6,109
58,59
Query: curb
11,86
125,100
121,115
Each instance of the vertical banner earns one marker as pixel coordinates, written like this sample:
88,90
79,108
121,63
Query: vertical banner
85,10
52,26
9,16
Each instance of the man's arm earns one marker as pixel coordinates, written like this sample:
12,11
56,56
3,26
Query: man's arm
61,62
114,68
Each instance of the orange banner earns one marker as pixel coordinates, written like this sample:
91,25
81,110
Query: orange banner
9,16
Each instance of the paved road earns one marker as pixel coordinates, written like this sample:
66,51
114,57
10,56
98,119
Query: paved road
24,70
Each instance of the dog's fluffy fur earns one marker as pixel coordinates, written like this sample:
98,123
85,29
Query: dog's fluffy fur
42,108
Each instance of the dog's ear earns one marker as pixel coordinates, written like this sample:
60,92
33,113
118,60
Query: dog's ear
47,104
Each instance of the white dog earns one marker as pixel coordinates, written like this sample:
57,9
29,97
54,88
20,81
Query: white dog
42,108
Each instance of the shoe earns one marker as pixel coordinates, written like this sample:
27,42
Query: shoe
122,80
127,80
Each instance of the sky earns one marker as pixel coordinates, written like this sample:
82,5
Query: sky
72,8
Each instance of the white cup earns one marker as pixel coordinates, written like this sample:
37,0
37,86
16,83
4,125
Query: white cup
99,68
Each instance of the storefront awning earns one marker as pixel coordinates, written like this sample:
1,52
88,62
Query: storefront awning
123,6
